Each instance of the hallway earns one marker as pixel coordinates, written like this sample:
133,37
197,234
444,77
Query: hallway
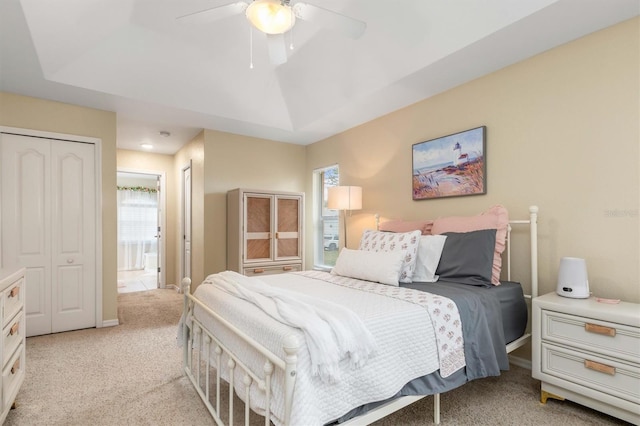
130,281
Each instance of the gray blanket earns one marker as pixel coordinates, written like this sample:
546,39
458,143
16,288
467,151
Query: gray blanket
484,342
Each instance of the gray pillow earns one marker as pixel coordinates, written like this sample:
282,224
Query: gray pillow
467,257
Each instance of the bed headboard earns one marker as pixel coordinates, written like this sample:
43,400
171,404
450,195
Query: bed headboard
532,222
533,241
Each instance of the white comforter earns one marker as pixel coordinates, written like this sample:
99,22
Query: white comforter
403,330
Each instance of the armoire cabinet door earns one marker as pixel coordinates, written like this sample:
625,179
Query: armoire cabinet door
287,228
258,210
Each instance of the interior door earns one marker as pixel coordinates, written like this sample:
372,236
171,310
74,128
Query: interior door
160,233
26,222
74,236
48,226
186,222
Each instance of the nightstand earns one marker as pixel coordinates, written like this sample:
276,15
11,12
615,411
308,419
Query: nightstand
588,352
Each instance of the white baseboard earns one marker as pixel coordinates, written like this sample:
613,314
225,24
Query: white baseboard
174,287
110,323
520,362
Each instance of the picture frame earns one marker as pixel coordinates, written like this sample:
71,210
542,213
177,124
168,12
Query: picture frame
450,166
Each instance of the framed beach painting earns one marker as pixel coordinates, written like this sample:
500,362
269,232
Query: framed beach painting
450,166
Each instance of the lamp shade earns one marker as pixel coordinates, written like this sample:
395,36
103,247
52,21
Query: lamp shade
344,198
572,278
271,16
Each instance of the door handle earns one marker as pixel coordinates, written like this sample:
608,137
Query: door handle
69,261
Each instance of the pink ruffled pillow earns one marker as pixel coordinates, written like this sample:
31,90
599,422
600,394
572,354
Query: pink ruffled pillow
496,218
424,226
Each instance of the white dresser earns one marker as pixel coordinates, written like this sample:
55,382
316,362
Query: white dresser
12,343
588,352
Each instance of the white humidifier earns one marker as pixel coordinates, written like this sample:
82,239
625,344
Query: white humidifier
572,278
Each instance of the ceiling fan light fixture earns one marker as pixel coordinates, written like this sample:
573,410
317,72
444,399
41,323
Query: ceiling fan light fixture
271,16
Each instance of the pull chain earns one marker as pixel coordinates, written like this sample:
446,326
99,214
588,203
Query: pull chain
250,48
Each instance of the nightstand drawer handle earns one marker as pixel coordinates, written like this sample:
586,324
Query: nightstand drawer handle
258,271
600,329
16,366
14,292
287,268
603,368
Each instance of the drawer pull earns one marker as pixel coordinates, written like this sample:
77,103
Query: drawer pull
258,271
287,268
16,366
600,329
14,291
603,368
14,329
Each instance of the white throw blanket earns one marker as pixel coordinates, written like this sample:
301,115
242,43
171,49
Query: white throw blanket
332,332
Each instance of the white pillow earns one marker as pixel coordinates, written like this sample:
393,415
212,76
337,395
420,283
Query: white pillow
406,242
379,267
429,253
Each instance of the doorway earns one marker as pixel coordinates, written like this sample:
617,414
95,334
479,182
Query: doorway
140,226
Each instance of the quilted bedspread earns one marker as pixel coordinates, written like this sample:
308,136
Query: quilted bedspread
402,325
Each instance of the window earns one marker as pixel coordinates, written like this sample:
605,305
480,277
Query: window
326,234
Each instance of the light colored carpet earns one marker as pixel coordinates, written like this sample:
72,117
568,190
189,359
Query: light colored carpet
132,375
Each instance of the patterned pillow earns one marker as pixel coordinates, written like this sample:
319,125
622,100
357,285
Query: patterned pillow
391,241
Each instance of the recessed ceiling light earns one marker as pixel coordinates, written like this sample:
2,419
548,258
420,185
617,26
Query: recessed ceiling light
146,145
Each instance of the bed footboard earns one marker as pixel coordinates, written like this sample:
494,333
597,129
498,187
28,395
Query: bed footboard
197,344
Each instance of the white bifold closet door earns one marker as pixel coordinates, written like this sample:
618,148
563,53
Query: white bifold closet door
49,226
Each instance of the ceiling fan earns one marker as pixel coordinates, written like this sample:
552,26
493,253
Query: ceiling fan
276,17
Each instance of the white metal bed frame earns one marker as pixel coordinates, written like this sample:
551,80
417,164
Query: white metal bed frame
195,333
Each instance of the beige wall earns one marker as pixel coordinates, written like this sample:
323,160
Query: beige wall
562,133
233,161
38,114
158,163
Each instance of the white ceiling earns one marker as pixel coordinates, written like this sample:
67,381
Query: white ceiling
135,58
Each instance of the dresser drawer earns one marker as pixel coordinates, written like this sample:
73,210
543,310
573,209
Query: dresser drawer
12,376
13,299
270,270
616,340
591,371
13,335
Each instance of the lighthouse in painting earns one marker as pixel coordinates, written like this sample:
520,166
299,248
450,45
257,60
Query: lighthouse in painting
458,157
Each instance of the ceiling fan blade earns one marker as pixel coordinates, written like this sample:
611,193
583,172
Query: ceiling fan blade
346,25
277,49
213,14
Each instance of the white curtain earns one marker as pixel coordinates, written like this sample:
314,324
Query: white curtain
137,226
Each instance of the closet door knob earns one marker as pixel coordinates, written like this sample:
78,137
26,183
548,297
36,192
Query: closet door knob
69,260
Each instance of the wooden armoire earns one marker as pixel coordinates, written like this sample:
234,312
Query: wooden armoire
264,231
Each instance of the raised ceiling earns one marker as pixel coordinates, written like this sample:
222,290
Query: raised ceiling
135,58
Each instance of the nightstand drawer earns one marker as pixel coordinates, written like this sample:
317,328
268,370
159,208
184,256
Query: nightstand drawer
13,299
591,371
14,334
11,377
605,338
